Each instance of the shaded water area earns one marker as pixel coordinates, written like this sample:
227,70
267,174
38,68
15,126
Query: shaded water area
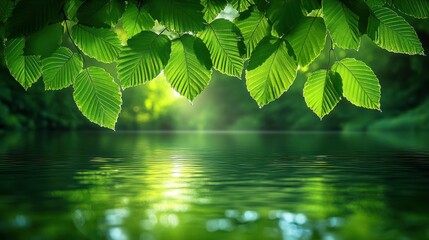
214,186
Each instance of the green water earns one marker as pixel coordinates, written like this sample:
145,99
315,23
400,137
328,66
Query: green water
213,186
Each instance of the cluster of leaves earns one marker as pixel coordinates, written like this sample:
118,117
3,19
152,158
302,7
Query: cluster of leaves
267,40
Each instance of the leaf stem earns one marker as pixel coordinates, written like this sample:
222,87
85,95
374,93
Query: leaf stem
72,41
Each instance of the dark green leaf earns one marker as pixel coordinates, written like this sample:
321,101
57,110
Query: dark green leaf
415,8
32,15
45,41
178,15
6,7
284,15
100,13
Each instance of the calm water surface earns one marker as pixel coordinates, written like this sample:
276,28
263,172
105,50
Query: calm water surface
214,186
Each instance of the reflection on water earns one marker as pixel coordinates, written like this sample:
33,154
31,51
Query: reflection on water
213,186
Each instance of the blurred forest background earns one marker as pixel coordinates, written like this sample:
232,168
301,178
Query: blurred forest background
226,104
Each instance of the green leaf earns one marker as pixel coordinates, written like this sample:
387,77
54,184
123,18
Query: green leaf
391,32
322,92
178,15
45,41
71,7
61,69
99,43
25,69
307,39
241,5
311,5
342,23
360,85
284,15
6,7
97,96
143,59
271,70
375,3
254,26
224,41
212,8
189,67
100,13
414,8
135,20
29,16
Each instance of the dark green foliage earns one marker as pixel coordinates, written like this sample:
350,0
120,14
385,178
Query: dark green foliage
184,39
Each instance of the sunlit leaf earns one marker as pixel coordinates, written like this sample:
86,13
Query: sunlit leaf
61,69
143,59
392,32
415,8
178,15
136,20
224,41
271,70
45,41
100,13
241,5
25,69
212,8
99,43
342,23
189,67
360,85
97,96
254,26
322,92
307,39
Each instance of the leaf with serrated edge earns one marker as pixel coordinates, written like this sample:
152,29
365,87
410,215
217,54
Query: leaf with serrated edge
25,69
307,39
392,32
97,96
322,92
254,28
61,69
360,85
188,73
143,59
136,20
342,23
212,8
241,5
226,47
414,8
271,70
99,43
